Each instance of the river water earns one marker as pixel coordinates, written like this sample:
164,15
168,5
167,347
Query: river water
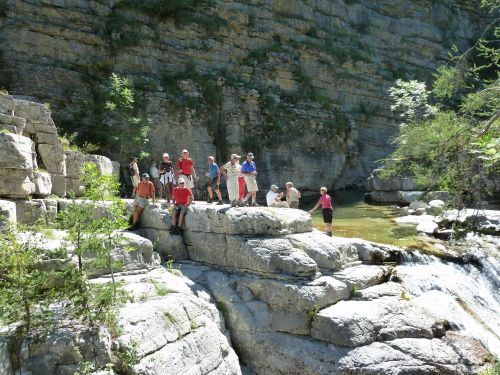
466,295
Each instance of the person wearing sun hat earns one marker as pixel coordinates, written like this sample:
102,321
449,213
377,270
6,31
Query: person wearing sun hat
231,170
183,197
144,190
167,177
249,170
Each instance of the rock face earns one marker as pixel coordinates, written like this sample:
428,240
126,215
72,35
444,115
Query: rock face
310,68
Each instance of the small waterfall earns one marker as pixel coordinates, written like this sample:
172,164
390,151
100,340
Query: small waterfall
462,294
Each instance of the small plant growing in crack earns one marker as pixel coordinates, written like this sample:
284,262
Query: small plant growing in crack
312,313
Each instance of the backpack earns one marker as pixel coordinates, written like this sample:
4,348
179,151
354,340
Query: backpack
130,169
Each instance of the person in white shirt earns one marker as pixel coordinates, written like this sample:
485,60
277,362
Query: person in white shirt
273,198
154,174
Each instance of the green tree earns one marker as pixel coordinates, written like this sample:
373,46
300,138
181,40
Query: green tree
457,147
126,131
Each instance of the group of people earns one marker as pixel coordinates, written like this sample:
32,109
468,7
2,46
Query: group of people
175,184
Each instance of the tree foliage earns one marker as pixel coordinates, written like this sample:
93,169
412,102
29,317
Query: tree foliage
455,144
126,130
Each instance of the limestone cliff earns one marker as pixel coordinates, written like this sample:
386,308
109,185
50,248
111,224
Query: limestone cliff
303,82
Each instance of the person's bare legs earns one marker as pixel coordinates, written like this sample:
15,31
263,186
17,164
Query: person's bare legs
137,214
181,218
210,192
328,228
218,194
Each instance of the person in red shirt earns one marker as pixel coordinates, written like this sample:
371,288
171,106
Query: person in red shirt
185,169
143,191
183,197
326,209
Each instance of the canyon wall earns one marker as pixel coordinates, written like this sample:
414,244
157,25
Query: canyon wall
301,83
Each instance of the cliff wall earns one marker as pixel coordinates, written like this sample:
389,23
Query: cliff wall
301,83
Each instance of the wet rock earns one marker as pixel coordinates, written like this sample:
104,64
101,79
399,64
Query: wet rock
363,276
484,221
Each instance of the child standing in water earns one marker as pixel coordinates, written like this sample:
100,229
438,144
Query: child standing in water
326,204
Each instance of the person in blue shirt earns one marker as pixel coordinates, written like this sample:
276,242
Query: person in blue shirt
213,174
249,170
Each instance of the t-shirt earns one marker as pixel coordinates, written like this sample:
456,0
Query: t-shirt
166,166
213,170
153,172
271,197
181,195
248,167
185,165
326,201
145,189
292,195
232,169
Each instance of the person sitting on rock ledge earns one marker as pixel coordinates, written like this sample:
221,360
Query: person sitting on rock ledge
273,198
327,210
144,190
183,197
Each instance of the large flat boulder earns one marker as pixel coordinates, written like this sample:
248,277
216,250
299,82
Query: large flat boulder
53,158
43,183
167,245
484,221
74,164
17,124
6,104
359,323
328,252
363,276
203,217
16,183
273,257
103,164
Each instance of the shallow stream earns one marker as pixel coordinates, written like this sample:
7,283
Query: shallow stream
352,217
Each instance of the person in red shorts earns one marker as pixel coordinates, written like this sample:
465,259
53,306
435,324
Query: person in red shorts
183,197
241,186
327,210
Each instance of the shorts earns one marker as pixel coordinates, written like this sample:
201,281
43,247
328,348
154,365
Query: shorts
141,202
251,182
327,215
180,209
294,204
213,184
166,178
188,180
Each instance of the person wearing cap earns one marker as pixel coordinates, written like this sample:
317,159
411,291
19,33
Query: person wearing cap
249,170
292,196
134,173
183,197
167,177
326,209
185,169
213,174
273,198
231,170
144,190
155,176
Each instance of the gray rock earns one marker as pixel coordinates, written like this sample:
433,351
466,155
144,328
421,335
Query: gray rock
359,323
407,197
415,205
53,158
370,252
415,356
132,253
102,163
5,365
35,113
427,227
413,219
43,183
389,289
16,183
58,185
74,164
65,346
15,152
168,246
363,276
383,196
440,195
30,211
18,123
328,252
408,184
389,184
269,256
255,220
484,221
156,217
436,204
420,211
74,186
7,212
6,104
116,169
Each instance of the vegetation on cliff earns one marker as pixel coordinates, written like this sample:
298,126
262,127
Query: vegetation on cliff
455,144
